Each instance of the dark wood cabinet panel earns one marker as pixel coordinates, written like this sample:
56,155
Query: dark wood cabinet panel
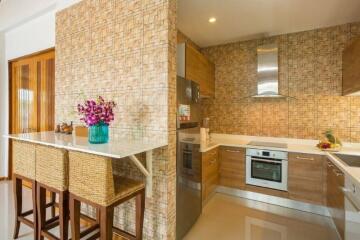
351,70
210,172
335,196
232,167
201,70
306,178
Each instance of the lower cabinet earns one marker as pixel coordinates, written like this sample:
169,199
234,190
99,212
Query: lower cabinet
306,178
335,196
232,167
209,173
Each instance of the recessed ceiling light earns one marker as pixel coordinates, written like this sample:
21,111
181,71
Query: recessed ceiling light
212,20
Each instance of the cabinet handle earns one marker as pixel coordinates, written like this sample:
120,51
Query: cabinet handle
213,161
337,172
233,151
330,164
305,158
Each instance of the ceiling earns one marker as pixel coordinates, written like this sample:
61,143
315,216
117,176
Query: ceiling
13,12
248,19
17,12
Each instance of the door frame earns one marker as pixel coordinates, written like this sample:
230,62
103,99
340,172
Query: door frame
10,62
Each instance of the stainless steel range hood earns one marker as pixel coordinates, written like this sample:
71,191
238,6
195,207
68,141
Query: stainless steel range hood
268,71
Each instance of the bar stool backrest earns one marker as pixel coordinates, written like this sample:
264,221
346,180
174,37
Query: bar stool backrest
91,177
24,159
52,167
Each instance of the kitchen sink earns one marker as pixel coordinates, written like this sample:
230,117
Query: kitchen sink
350,160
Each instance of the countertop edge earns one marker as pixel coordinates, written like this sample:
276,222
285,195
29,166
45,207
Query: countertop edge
214,145
72,148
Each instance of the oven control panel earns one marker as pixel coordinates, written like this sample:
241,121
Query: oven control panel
266,153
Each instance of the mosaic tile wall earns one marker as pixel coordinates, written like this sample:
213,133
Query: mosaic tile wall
310,69
125,50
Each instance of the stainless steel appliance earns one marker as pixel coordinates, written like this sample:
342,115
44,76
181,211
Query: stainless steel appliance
267,168
188,157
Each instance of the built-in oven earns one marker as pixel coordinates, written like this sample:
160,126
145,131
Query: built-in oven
267,168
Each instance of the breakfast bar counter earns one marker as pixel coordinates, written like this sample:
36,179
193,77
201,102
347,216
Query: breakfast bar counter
116,149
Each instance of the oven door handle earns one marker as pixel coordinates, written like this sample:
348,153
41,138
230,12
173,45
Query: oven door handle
265,160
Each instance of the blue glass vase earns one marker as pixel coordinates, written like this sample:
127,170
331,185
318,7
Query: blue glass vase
99,133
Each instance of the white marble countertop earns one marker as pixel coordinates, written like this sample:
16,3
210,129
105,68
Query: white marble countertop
293,145
118,148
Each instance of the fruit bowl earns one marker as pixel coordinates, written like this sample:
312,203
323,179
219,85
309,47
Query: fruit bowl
330,143
328,147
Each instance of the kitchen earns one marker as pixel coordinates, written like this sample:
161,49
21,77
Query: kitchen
231,120
271,102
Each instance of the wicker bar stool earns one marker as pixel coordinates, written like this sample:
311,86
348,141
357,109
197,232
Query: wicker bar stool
91,181
24,169
52,174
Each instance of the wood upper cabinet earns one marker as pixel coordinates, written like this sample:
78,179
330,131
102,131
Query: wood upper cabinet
306,178
351,69
210,172
201,70
232,167
335,196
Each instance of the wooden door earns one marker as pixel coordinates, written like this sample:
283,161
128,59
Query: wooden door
32,94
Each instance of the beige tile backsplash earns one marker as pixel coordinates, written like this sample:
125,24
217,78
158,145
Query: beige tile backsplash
310,70
125,50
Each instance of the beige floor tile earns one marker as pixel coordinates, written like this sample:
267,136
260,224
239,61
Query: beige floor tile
224,218
231,218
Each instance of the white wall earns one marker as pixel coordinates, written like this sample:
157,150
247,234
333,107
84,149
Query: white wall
36,35
3,100
32,36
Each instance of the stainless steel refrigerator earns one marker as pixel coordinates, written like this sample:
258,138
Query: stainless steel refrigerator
188,157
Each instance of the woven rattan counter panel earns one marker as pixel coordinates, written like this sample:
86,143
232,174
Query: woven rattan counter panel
52,167
24,159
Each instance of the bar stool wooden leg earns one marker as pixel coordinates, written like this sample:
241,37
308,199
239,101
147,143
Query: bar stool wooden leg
140,210
64,214
106,223
75,218
53,200
35,221
41,207
17,187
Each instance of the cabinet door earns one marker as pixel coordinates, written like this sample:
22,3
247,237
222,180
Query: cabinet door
351,72
306,178
200,70
335,197
210,172
232,167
